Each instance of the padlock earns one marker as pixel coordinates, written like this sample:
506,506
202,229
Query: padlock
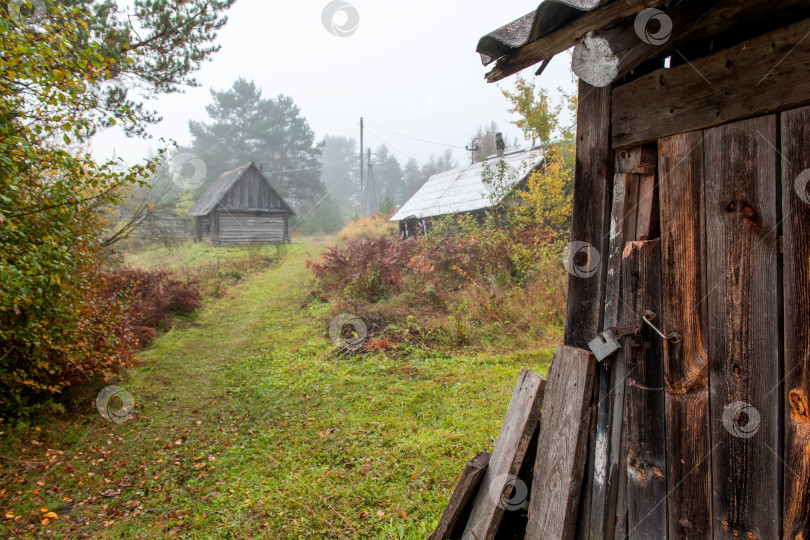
604,345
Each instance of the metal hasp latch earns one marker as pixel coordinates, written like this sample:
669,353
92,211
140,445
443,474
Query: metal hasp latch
607,342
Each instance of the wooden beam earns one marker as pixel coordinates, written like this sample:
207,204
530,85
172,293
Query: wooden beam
686,364
463,494
764,74
569,35
604,56
644,398
562,445
744,339
590,226
796,212
507,457
591,216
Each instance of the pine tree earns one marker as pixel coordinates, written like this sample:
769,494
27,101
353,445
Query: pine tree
246,127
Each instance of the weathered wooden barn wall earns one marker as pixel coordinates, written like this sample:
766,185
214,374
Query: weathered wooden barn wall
691,242
729,453
251,191
714,437
241,207
245,227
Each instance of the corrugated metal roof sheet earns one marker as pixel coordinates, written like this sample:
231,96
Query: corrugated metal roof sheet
549,16
464,189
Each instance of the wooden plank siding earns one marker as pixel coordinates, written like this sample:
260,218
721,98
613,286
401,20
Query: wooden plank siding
684,309
591,214
795,139
744,341
251,192
246,227
761,75
644,411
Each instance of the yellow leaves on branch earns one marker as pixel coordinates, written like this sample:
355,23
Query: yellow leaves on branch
547,196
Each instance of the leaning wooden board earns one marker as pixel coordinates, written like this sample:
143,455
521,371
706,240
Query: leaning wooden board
796,226
562,445
465,490
744,338
507,457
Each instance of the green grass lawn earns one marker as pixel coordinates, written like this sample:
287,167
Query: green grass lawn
248,424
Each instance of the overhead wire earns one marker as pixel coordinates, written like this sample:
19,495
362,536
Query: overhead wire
416,138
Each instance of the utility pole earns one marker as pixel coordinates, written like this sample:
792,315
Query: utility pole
371,184
362,192
472,149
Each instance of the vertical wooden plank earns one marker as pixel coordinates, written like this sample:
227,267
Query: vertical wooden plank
590,223
686,364
507,457
562,445
744,341
796,226
611,373
644,398
646,198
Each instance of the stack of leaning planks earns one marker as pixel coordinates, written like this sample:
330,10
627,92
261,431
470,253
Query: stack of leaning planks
528,487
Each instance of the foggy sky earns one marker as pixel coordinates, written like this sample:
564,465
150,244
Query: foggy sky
409,68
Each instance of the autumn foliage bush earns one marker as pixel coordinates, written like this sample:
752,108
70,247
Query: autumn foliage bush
479,280
152,299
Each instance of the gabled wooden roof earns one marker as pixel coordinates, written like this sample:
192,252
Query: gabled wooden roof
209,200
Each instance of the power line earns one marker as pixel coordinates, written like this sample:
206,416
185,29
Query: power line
399,151
417,138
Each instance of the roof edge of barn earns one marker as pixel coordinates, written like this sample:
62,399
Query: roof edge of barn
213,195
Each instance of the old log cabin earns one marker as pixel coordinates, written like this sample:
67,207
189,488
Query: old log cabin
241,207
691,213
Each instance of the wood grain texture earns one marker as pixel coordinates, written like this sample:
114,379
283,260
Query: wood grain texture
591,213
743,335
686,364
507,457
611,372
645,217
562,445
590,224
462,496
244,228
644,396
763,74
796,226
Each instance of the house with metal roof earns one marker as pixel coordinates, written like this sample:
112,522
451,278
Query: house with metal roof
242,207
469,189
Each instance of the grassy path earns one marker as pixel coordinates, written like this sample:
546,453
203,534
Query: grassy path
249,426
